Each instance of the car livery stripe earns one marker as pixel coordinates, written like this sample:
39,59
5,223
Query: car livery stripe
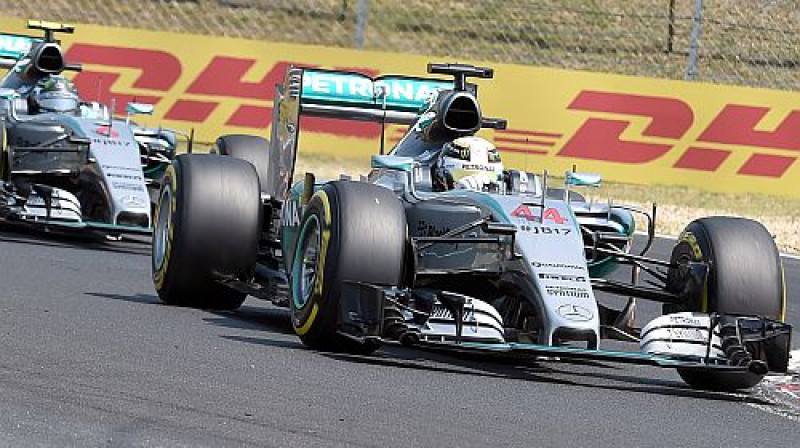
783,286
160,273
303,329
323,251
691,240
481,198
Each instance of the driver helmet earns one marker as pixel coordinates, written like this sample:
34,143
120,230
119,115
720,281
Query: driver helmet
56,94
469,163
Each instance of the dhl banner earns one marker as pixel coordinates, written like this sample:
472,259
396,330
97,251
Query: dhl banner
630,129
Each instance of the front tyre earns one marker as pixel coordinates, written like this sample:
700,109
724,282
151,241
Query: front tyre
206,231
350,232
745,278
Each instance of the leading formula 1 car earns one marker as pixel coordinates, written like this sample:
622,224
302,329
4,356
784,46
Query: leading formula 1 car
441,246
66,163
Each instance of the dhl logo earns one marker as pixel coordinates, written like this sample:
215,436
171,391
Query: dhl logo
670,120
601,138
629,129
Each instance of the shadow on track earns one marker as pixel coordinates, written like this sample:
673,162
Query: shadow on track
598,376
264,318
552,372
148,299
135,245
293,345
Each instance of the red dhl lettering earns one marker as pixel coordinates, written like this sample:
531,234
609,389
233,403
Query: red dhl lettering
736,125
222,77
597,138
600,138
159,71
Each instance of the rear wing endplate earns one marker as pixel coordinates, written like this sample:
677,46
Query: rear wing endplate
342,95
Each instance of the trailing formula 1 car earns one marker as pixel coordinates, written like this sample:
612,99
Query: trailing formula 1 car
440,245
67,163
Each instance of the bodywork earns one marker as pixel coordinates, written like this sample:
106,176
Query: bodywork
83,169
511,269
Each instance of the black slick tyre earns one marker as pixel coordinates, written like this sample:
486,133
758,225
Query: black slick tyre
350,231
251,148
206,231
745,278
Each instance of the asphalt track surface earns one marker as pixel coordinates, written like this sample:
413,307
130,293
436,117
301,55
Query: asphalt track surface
91,358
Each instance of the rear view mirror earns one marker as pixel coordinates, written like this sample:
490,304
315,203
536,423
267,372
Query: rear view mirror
398,163
139,109
573,179
8,94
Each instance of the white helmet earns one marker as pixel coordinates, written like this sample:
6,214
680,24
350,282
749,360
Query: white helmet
56,94
468,162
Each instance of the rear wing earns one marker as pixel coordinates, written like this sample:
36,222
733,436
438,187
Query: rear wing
354,96
343,95
13,47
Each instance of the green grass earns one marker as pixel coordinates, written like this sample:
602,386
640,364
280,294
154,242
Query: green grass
742,42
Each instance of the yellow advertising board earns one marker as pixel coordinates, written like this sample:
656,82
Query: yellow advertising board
630,129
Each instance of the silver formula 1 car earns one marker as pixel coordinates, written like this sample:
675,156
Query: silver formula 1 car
67,163
439,245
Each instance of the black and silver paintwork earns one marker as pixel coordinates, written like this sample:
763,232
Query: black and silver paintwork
81,170
512,268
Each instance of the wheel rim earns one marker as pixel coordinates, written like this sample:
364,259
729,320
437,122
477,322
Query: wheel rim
306,262
161,232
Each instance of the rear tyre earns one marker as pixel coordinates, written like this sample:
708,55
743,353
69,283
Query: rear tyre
745,278
350,231
206,230
251,148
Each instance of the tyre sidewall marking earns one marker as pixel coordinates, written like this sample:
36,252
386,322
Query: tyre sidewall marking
303,325
783,293
691,240
171,179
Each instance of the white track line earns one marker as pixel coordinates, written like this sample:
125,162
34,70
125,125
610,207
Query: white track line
794,362
771,410
786,401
